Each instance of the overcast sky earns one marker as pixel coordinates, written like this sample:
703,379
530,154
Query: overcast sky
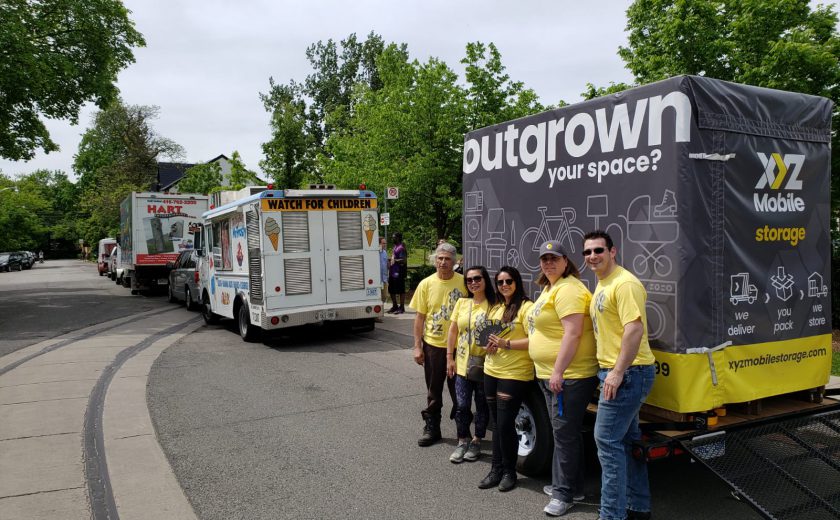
206,61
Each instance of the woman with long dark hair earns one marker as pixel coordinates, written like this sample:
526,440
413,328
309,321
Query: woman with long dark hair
468,315
562,345
508,371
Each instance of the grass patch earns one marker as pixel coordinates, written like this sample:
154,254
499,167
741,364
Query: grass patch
835,363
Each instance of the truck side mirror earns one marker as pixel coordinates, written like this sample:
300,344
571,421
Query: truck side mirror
198,245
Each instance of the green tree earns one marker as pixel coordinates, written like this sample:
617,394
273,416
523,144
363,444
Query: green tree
408,134
240,176
23,209
288,154
201,178
56,55
491,95
118,154
336,73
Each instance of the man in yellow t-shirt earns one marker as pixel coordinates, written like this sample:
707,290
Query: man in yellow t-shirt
626,373
434,300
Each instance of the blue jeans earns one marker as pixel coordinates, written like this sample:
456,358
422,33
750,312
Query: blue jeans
624,479
464,390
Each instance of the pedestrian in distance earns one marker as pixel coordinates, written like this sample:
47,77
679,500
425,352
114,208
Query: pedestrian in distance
508,371
434,300
562,346
626,373
384,264
469,316
397,273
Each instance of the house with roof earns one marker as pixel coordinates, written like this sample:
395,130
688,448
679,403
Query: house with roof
170,173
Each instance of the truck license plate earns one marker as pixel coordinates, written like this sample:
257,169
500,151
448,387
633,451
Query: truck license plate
325,315
163,281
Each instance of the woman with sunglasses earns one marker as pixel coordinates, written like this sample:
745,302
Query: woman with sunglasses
508,371
468,315
561,344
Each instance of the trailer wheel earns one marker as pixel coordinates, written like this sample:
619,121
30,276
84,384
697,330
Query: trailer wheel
249,332
536,438
210,317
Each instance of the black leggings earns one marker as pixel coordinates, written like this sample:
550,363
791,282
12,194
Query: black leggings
504,397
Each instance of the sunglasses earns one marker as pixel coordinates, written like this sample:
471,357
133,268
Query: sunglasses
596,250
507,281
474,279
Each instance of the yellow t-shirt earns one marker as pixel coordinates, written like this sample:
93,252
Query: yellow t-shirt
510,364
545,330
467,310
435,298
619,299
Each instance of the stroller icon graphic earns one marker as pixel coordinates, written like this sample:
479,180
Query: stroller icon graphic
647,228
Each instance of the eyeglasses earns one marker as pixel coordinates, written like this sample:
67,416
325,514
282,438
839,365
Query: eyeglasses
596,250
474,279
506,281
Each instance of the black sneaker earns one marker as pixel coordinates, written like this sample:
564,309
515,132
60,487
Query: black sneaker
491,480
508,482
392,310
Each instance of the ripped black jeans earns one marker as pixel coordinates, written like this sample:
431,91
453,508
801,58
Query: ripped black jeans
504,397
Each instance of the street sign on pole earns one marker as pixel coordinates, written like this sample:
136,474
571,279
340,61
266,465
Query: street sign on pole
392,193
384,219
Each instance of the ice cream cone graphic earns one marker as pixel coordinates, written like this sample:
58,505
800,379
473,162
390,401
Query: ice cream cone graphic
369,225
272,231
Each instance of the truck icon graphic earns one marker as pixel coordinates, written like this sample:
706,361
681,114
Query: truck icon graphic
741,290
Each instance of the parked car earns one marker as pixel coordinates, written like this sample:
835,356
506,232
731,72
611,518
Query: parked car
115,270
4,262
27,259
183,279
14,261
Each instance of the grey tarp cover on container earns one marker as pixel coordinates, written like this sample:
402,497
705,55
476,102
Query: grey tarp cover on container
716,195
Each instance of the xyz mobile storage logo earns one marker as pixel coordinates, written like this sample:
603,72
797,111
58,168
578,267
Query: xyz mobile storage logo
775,187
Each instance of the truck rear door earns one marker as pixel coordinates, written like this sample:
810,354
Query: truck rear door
347,261
293,247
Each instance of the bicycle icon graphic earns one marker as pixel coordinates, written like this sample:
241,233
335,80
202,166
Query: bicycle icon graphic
558,228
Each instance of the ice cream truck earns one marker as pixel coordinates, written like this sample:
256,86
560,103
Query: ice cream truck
283,258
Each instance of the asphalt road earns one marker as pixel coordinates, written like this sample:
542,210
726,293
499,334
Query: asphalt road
320,424
57,297
324,425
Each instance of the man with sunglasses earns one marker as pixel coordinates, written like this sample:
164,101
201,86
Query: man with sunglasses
434,299
626,373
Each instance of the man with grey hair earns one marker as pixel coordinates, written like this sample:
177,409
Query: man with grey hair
433,300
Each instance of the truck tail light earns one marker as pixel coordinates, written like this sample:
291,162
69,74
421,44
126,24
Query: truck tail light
195,276
275,320
377,309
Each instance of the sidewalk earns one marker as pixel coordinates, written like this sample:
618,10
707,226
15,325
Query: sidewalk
399,323
76,438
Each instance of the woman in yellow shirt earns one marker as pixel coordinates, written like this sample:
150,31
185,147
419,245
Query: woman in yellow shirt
507,373
468,315
561,344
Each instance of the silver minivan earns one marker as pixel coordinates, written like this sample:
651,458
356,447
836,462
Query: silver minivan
183,280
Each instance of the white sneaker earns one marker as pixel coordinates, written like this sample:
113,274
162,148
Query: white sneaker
548,490
458,455
557,508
